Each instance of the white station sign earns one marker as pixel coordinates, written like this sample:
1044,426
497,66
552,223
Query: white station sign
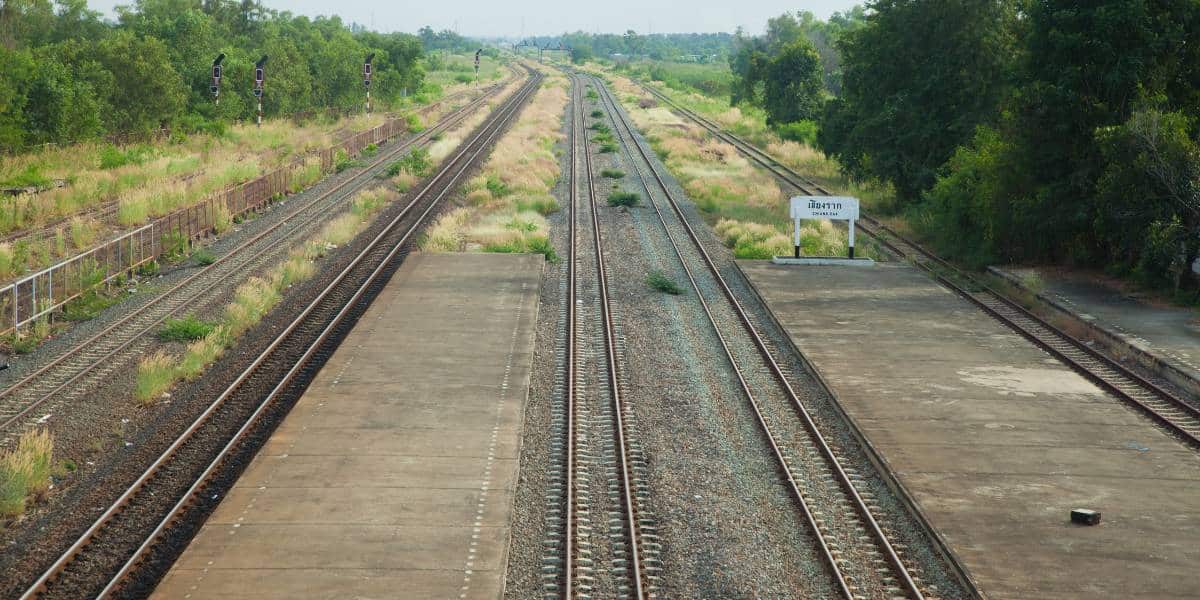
834,208
840,208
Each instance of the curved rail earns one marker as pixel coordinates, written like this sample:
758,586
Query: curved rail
99,348
880,539
1158,403
381,251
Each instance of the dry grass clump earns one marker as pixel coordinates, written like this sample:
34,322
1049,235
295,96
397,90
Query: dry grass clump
505,204
155,375
25,471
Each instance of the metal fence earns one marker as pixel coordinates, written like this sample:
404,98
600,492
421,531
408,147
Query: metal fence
39,294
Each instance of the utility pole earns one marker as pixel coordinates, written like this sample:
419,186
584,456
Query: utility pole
215,88
258,85
367,78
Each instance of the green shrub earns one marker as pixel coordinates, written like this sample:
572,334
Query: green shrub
369,151
657,280
342,161
31,177
175,246
612,173
186,329
599,127
416,163
148,269
464,78
497,187
25,471
204,257
597,113
608,148
804,132
626,199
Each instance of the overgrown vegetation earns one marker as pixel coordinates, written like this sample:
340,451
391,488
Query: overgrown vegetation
185,329
612,173
25,471
206,342
503,208
658,281
622,198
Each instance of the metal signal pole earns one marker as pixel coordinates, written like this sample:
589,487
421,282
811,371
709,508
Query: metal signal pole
367,78
258,85
215,88
477,53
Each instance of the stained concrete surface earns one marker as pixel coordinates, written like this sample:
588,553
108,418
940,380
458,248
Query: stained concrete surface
995,440
1170,333
393,476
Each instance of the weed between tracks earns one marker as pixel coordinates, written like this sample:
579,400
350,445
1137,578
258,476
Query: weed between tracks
253,299
503,208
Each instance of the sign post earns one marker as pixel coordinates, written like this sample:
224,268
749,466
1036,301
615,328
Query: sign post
839,208
477,53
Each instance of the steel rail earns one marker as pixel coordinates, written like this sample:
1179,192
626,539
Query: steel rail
472,150
843,479
1189,432
622,444
351,185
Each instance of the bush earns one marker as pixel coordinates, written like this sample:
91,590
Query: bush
31,177
804,132
612,173
186,329
657,280
342,161
415,163
464,78
626,199
175,246
497,187
608,148
369,151
596,114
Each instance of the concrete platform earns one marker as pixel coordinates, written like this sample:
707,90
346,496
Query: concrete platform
394,475
995,440
1169,334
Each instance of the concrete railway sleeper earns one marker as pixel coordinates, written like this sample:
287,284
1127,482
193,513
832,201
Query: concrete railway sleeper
601,465
72,374
856,547
1155,399
131,544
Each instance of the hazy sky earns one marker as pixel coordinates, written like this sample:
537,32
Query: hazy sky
512,17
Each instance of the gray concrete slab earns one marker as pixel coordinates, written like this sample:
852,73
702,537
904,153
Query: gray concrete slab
995,440
393,475
1170,333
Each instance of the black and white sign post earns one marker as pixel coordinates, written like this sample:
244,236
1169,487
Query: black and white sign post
258,85
367,78
215,88
834,208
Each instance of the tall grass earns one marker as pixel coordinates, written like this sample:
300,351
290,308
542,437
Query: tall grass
25,471
502,209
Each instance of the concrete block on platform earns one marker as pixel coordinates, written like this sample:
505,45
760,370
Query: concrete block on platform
823,261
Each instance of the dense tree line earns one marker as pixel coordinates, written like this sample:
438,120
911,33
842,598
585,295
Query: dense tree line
658,46
67,75
1011,130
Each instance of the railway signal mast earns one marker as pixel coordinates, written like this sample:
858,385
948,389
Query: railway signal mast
215,88
477,53
367,78
258,85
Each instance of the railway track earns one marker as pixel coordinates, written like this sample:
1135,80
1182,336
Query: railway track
848,525
1144,393
125,551
601,461
108,210
73,374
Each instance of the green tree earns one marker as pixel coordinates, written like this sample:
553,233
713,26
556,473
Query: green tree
918,78
793,84
147,92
